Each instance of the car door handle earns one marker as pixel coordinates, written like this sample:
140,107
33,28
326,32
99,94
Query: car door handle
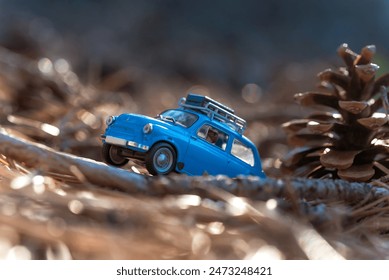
193,137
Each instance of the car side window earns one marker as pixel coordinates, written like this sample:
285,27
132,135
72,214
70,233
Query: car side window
242,152
213,136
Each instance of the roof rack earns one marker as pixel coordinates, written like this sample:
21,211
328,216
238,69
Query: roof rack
214,109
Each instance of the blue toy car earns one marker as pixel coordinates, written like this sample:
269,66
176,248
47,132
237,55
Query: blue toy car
200,136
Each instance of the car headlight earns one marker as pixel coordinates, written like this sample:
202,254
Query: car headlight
148,128
109,120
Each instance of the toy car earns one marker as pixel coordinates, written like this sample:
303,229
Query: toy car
200,136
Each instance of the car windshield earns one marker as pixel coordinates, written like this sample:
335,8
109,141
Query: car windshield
180,117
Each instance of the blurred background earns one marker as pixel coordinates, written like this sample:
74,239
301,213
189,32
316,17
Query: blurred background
141,56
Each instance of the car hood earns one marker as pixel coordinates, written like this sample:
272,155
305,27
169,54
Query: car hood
140,120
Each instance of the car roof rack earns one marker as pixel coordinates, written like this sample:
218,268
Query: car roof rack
214,109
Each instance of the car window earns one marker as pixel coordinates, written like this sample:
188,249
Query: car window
242,152
213,136
183,118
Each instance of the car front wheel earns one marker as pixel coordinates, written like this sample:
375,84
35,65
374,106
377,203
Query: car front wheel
112,157
161,159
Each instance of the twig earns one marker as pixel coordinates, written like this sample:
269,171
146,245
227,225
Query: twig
46,159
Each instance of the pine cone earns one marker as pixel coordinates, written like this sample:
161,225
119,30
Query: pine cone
349,139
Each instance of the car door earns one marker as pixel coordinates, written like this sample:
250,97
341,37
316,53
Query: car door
207,154
241,159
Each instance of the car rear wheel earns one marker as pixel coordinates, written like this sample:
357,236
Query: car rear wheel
161,159
112,157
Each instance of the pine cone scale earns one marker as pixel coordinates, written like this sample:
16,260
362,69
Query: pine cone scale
338,159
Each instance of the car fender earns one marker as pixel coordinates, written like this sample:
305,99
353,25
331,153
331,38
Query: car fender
176,137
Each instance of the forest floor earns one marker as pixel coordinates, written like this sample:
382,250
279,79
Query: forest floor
59,201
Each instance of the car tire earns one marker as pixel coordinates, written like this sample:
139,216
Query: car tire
111,156
161,159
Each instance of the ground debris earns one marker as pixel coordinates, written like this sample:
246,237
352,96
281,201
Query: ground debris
120,214
58,201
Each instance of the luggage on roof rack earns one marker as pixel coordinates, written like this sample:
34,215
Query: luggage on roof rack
202,101
214,109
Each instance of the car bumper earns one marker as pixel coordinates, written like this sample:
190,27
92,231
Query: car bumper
124,143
